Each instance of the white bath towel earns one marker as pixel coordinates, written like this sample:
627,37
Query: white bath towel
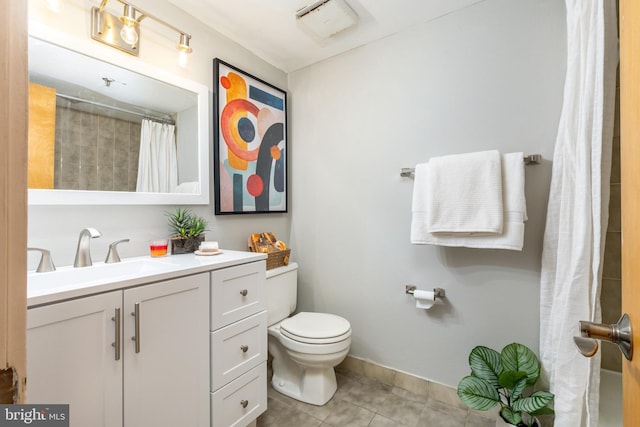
514,216
464,193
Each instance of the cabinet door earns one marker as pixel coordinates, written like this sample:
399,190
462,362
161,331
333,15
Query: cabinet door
71,359
166,349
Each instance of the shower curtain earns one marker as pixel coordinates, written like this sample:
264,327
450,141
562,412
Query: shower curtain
578,211
157,163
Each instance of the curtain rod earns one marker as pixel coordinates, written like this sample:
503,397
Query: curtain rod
155,117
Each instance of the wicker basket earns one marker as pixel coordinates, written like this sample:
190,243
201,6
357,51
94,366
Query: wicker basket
260,242
278,259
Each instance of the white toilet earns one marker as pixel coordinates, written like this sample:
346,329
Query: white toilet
305,347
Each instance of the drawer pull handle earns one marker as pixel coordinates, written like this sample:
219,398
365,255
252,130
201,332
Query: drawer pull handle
244,348
244,403
244,292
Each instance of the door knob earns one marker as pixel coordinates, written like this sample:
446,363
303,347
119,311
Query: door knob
619,333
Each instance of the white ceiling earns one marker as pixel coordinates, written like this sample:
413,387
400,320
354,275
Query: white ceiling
268,28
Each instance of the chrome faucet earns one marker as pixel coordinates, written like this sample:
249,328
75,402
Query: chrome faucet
46,263
113,255
83,254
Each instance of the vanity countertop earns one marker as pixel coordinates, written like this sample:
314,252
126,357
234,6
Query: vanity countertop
68,282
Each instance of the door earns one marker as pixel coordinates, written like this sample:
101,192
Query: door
166,349
13,194
630,175
71,359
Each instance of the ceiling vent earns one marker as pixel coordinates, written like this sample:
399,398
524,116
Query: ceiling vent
325,18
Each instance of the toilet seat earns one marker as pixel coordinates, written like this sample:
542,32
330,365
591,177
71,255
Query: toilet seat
316,328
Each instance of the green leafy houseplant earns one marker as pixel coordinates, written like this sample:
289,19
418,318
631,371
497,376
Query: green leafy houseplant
187,230
502,379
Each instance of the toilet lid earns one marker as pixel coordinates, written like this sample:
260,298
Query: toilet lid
316,328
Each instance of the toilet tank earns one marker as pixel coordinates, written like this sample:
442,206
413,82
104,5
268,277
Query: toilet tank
281,292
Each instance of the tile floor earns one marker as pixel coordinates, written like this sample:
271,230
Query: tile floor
363,401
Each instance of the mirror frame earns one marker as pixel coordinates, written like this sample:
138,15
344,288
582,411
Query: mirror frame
78,197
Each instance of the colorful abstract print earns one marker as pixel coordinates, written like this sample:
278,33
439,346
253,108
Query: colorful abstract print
252,145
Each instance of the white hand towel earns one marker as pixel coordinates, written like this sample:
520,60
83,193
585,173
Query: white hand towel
464,193
515,214
419,226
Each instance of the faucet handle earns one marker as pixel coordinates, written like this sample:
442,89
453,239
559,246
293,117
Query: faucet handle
46,263
113,255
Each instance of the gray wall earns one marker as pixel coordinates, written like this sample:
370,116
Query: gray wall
487,77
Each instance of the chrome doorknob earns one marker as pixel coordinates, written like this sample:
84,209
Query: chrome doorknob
618,333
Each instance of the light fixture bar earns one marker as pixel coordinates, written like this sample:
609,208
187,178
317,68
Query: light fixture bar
144,15
106,31
106,28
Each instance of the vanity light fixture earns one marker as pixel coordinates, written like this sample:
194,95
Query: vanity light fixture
184,49
123,32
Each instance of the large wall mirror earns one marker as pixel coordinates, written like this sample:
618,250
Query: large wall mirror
100,133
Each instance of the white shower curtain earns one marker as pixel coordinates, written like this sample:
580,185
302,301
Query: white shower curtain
157,164
578,211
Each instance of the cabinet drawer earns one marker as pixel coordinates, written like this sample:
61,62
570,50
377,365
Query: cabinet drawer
241,401
237,348
236,293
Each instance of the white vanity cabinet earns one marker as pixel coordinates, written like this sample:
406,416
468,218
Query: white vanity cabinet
136,357
166,353
70,359
238,345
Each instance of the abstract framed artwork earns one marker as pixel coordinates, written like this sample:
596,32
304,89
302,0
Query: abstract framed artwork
249,143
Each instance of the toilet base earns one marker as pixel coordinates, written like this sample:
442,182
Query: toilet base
312,385
303,371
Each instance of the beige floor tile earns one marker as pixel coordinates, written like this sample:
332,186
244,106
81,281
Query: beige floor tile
411,383
474,420
380,421
369,395
380,373
445,394
364,401
438,414
402,410
348,414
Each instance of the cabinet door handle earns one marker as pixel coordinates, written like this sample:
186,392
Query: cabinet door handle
116,343
244,403
136,333
244,348
244,292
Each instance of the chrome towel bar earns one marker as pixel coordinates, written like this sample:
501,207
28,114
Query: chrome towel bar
531,159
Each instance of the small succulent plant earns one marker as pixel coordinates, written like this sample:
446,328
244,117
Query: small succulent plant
184,223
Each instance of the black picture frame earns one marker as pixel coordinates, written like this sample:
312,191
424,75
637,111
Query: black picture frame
249,143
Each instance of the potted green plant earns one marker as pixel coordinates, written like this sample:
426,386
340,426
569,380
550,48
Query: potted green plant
187,230
506,379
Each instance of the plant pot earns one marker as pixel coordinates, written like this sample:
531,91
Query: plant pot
502,423
186,245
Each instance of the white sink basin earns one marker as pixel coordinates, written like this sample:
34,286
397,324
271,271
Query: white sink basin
68,277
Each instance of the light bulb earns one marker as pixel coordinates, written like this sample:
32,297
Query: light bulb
129,34
184,49
183,58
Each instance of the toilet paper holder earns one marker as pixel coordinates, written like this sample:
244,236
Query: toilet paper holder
438,292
